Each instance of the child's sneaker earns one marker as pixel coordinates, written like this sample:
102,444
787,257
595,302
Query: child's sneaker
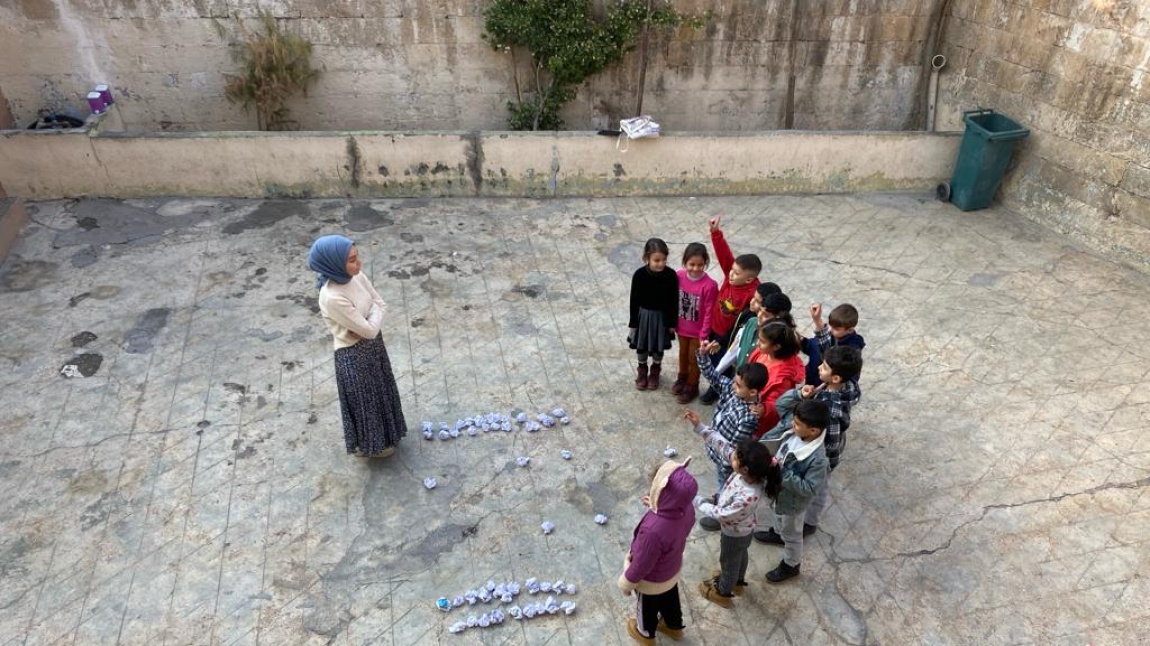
709,524
673,633
783,572
770,537
633,631
712,594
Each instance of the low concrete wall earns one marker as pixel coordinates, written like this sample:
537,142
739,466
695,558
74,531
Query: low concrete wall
45,165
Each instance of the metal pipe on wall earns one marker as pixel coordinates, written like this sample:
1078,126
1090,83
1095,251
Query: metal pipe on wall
936,64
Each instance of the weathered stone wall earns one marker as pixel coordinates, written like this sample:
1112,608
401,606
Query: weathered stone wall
1075,73
421,64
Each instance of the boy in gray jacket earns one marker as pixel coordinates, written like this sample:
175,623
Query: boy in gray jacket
803,460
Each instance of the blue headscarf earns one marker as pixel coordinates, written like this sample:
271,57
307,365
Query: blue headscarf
328,258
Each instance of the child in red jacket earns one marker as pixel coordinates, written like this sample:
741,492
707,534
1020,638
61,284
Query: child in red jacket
740,278
778,352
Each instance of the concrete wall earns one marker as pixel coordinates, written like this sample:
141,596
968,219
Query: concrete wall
421,64
1075,73
46,164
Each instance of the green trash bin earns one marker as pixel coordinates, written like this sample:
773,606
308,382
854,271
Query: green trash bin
986,148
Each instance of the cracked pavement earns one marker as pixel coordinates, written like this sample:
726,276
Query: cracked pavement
194,490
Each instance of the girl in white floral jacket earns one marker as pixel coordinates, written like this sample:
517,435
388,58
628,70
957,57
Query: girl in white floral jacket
756,475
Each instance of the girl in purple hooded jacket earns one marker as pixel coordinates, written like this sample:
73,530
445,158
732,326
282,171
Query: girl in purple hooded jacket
651,569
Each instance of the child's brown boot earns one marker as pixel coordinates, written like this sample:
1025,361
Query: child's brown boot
641,377
680,383
653,378
688,394
712,594
633,631
673,633
740,586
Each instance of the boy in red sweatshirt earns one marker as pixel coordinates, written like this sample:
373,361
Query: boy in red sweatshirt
740,278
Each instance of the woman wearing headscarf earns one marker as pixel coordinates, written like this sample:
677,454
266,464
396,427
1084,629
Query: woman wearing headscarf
353,311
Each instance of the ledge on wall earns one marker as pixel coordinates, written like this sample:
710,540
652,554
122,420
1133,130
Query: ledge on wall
108,163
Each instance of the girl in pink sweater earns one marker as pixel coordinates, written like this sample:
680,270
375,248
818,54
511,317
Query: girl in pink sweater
697,295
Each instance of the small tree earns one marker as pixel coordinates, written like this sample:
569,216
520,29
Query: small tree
274,66
567,45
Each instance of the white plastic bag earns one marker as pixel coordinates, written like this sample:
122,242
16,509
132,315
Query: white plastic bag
641,127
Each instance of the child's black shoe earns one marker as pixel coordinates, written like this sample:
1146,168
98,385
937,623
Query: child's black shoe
809,529
770,537
710,397
783,572
709,524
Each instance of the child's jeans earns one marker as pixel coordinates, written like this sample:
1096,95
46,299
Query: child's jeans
733,560
722,471
819,503
649,607
790,528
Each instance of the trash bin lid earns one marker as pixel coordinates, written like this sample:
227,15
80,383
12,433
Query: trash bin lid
993,126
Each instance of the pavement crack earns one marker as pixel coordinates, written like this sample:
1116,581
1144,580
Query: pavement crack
834,561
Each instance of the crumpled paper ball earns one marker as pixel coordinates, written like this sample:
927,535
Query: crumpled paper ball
505,427
559,412
521,418
568,607
444,434
472,621
545,586
443,603
531,427
551,606
570,589
471,596
600,519
546,420
548,527
522,460
484,620
490,586
456,601
428,433
497,616
454,433
532,585
565,420
485,595
515,612
670,452
430,483
565,454
472,431
457,627
513,588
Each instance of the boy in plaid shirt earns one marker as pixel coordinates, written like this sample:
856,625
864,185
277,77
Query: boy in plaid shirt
839,390
735,413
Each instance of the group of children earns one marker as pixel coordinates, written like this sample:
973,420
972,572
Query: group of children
778,430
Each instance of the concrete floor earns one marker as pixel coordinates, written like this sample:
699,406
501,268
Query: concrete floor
194,488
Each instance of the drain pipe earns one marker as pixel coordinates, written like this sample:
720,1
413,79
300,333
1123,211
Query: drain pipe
936,64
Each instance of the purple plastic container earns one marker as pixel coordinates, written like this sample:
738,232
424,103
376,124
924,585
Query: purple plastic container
96,103
105,94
